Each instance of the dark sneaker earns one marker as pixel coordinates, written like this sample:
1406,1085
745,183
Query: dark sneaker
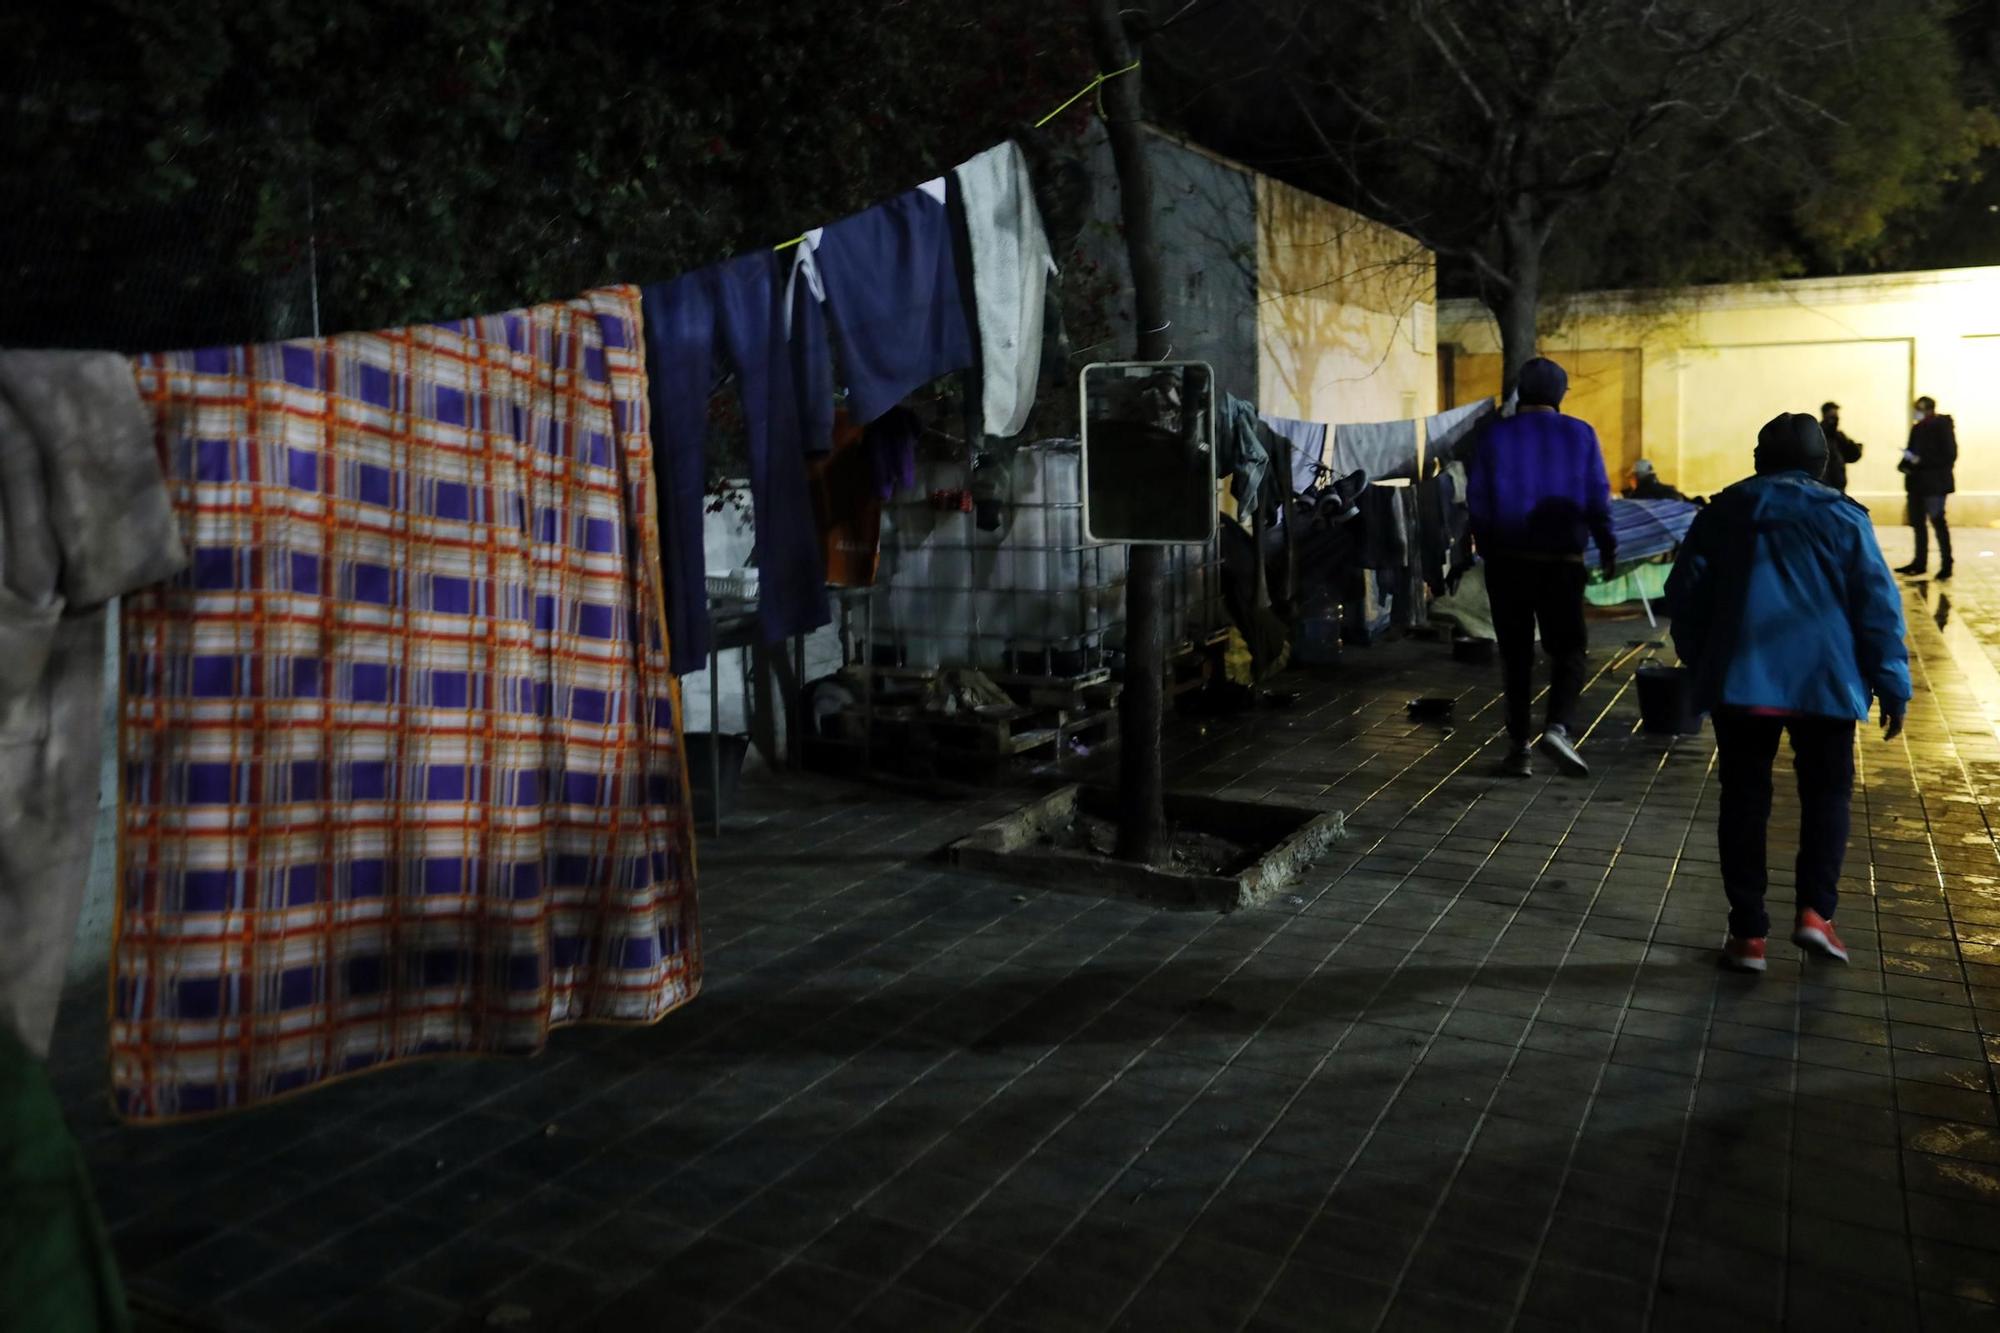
1814,933
1556,744
1743,955
1910,569
1944,573
1519,763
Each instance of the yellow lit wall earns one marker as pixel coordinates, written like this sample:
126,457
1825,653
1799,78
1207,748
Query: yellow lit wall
1346,323
1605,389
1721,361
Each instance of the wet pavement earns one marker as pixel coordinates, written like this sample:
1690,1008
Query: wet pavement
1479,1070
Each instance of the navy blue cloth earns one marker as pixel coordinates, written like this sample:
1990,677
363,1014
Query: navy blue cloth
1537,486
895,302
1781,600
734,308
812,367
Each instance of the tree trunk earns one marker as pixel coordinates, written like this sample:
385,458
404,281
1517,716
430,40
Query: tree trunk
1519,303
1141,708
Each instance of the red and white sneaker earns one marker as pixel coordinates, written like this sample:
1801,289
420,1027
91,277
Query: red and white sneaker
1744,955
1815,934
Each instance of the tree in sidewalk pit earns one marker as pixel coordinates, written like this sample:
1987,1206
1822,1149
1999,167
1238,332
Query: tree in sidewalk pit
1543,147
1141,706
178,174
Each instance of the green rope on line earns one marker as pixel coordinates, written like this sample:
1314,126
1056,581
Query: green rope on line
1087,89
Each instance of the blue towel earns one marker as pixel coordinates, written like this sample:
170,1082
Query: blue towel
894,300
737,306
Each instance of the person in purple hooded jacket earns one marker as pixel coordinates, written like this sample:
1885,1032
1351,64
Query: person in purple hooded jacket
1536,490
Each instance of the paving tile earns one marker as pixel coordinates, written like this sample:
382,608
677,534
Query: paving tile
1956,1270
387,1309
1568,1297
1489,1034
1310,1299
804,1295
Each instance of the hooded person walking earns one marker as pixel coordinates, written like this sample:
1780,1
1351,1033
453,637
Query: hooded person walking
1536,489
1790,622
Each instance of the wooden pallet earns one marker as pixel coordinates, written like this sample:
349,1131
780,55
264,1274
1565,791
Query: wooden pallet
1019,731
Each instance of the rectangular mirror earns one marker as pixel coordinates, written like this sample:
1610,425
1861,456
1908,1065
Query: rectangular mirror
1149,452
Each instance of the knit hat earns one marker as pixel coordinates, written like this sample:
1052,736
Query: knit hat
1543,383
1791,441
1643,468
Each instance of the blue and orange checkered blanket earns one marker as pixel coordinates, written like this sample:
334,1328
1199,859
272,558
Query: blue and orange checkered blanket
400,750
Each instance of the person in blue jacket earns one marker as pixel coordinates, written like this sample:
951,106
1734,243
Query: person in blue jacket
1790,622
1536,491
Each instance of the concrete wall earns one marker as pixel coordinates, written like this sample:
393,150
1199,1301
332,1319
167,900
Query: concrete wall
1308,309
1345,313
1205,220
1720,361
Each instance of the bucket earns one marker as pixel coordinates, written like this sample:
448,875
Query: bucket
1666,701
1318,642
702,749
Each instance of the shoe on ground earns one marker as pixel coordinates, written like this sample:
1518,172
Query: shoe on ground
1519,763
1743,955
1557,745
1910,569
1814,933
1944,572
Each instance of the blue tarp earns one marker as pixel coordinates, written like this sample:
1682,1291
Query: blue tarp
1644,529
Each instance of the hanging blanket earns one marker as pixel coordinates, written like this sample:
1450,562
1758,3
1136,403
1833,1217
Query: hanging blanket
400,749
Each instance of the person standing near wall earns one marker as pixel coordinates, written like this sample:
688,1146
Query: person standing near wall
1840,450
1785,613
1927,478
1536,490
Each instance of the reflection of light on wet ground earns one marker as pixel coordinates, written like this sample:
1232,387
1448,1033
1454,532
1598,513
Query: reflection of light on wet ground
1970,657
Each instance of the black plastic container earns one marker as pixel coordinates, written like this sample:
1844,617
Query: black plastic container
1666,701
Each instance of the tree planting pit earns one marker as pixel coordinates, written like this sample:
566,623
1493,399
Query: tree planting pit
1224,855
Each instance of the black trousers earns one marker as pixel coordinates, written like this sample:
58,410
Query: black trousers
1931,508
1548,593
1823,759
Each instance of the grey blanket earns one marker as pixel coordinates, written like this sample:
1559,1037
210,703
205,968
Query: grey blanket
84,517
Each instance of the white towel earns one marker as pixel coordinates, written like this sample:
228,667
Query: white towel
1011,265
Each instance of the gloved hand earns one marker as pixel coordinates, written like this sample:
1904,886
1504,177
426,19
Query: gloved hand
1607,566
1892,722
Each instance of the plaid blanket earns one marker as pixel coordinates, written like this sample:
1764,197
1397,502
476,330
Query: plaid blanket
400,749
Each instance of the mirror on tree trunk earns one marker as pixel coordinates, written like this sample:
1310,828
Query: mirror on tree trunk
1149,452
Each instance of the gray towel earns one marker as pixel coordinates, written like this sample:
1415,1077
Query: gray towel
83,517
1447,434
1308,449
1385,450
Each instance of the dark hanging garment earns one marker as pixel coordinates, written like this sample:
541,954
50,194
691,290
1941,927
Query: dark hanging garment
1386,542
738,308
893,298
